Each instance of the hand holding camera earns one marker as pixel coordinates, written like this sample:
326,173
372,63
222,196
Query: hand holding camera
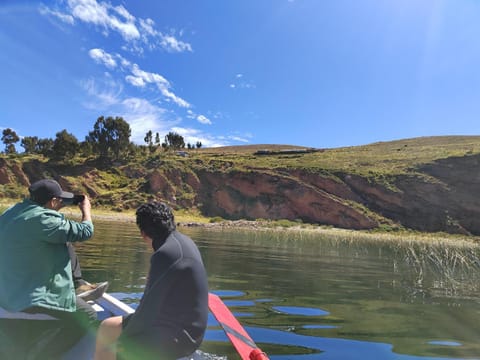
77,199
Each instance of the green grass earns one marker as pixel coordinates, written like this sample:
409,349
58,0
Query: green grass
382,158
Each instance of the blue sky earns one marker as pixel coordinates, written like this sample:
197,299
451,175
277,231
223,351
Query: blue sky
319,73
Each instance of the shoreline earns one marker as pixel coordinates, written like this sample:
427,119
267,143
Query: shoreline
184,219
267,226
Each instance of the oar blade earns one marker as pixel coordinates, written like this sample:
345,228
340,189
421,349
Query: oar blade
238,336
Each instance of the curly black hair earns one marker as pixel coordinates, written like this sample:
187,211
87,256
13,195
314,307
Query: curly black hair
156,220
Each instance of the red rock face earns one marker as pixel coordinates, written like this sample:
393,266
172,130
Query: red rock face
271,196
11,172
159,183
4,178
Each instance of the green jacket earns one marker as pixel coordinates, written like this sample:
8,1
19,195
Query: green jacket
35,268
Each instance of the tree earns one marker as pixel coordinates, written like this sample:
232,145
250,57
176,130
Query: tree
65,145
148,138
174,141
85,148
199,144
45,147
110,137
157,139
30,144
9,138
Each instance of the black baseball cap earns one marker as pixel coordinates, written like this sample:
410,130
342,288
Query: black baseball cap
43,190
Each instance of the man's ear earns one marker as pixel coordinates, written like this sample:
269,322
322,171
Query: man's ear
49,204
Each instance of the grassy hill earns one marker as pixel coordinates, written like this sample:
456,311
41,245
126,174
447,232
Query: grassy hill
392,157
422,183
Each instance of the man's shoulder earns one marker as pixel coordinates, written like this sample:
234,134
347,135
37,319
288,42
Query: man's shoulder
179,236
28,208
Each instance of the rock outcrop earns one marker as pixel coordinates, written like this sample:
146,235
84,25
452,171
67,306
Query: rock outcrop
439,196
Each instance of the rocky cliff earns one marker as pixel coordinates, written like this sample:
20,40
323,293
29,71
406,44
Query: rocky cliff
438,196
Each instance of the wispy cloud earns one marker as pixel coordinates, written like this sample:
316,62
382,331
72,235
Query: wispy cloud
141,78
170,43
202,119
102,57
66,18
239,139
143,116
108,94
102,94
192,136
239,82
139,34
137,77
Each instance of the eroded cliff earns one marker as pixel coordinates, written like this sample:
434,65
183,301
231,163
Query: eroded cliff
440,195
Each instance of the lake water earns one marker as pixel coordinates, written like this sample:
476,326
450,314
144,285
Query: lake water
307,296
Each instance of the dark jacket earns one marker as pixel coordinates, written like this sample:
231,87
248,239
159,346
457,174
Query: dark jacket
172,315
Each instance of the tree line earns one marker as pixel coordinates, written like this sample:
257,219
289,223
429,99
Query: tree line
110,138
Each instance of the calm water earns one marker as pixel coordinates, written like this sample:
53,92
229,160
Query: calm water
304,296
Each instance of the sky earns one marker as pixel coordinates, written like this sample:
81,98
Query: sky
316,73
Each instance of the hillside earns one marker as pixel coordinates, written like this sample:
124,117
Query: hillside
426,184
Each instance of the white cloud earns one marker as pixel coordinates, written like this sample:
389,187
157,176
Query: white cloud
124,62
106,96
202,119
66,18
148,27
192,136
238,139
149,77
139,77
143,116
102,57
103,95
191,114
171,44
136,32
240,83
90,11
171,96
135,81
162,84
124,13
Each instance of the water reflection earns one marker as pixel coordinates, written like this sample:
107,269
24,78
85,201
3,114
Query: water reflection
300,311
310,296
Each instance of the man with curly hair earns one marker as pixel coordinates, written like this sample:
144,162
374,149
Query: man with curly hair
171,318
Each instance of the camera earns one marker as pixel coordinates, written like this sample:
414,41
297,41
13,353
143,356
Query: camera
78,199
74,201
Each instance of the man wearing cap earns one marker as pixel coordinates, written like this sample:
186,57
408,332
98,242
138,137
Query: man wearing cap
35,265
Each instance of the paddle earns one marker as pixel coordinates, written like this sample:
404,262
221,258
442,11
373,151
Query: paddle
240,339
